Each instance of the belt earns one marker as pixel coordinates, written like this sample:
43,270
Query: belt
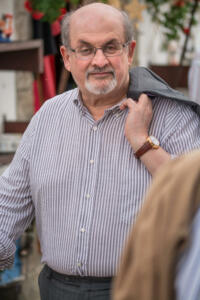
74,278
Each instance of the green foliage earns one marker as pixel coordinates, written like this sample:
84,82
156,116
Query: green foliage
174,16
75,2
50,8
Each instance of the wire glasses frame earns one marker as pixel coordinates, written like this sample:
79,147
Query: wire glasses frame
109,50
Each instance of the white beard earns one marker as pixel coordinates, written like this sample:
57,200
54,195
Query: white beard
92,88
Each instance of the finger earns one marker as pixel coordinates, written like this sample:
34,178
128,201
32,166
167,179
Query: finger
144,99
127,103
144,102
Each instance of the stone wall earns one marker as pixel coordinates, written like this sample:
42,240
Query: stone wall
7,78
24,80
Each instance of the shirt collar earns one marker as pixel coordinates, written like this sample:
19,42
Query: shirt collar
79,103
115,108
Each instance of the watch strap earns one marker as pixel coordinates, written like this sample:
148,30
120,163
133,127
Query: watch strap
151,143
143,149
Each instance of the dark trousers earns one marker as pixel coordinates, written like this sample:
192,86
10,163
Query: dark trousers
55,286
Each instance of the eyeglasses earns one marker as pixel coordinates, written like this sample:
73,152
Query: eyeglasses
88,52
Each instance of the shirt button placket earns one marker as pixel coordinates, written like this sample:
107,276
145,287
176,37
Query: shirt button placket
85,218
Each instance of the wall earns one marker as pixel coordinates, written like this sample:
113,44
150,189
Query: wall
16,87
7,79
151,39
24,80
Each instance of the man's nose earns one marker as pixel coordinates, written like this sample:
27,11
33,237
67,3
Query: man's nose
99,58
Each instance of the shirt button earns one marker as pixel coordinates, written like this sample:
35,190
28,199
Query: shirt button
91,161
79,264
95,128
88,196
83,230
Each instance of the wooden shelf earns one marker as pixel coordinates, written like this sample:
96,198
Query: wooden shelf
175,76
22,56
6,158
19,56
14,126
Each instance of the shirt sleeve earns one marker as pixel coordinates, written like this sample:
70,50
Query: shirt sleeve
187,283
181,132
16,207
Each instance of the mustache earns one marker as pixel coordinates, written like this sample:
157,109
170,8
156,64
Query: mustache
100,70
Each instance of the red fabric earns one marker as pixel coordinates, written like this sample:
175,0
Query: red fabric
36,96
48,77
47,81
55,28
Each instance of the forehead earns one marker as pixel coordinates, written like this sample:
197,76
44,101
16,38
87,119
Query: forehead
96,27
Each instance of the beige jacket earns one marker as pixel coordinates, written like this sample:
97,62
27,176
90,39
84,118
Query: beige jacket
161,232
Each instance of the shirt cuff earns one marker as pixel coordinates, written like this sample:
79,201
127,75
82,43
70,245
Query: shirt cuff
6,264
7,251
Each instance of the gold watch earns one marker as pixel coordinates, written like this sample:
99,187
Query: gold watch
151,143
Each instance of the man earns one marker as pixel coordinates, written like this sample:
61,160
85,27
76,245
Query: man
161,259
76,169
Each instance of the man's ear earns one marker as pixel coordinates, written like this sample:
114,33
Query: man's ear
131,49
65,56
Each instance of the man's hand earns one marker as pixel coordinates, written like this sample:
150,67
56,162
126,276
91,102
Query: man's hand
138,120
137,130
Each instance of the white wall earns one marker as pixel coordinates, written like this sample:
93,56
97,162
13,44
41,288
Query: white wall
149,43
8,95
7,78
151,38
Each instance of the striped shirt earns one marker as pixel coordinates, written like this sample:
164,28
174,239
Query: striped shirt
81,181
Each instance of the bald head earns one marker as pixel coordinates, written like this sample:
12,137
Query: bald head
88,15
99,9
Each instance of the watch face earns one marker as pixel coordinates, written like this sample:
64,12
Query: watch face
154,141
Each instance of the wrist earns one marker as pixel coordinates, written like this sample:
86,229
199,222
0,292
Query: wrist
137,142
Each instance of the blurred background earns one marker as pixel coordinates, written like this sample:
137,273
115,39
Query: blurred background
31,71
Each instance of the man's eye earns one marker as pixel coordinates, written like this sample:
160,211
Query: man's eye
85,51
110,48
